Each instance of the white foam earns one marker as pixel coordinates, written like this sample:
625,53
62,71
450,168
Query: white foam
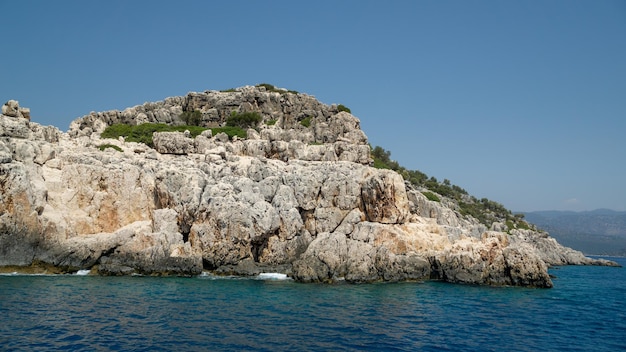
83,272
16,273
211,276
272,276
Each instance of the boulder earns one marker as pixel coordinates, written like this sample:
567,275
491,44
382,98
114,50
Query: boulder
177,143
384,198
11,108
492,261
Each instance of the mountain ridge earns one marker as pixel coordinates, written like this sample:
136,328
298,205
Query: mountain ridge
599,231
600,211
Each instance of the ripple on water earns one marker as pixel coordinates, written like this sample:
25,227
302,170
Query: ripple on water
195,314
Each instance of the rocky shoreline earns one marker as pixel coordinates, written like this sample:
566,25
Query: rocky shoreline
299,199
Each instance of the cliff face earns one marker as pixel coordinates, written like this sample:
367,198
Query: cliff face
289,198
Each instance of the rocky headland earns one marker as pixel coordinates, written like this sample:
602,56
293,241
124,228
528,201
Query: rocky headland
297,195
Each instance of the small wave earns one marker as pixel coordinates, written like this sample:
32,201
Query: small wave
83,272
212,276
272,276
15,273
261,276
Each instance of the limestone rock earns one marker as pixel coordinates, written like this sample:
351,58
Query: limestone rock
552,252
289,198
14,128
492,261
173,143
12,109
385,198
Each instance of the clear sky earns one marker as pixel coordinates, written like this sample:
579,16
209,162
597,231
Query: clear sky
521,102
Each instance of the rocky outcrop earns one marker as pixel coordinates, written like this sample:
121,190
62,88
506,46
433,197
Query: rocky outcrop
271,202
180,143
286,110
12,109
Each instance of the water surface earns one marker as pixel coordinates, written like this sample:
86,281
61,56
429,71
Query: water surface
583,312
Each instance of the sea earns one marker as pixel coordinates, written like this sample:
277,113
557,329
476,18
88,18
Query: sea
585,311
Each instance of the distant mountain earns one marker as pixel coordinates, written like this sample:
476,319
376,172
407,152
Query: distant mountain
600,231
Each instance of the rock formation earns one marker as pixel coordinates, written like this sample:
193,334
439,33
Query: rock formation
289,198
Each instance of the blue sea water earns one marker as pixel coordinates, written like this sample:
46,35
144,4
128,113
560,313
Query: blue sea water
585,311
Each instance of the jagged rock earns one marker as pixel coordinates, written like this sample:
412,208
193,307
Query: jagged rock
173,143
423,207
552,252
492,261
385,199
12,109
303,201
221,137
14,128
20,205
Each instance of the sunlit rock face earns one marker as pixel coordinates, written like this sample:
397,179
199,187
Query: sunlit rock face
294,198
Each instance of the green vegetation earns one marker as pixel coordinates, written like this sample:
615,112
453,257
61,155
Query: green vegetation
231,131
517,222
105,146
431,196
382,159
143,133
139,133
192,118
244,120
235,126
484,210
270,122
342,107
229,90
306,122
271,88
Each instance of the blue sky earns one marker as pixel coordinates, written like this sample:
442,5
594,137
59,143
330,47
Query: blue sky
521,102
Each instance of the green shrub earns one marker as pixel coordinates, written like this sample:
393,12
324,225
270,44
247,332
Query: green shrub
244,120
268,87
382,160
484,210
193,118
270,122
431,196
306,122
380,164
105,146
271,88
510,225
117,130
143,133
231,131
342,107
474,210
516,222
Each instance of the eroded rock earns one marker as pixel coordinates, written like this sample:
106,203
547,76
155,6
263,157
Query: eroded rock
302,201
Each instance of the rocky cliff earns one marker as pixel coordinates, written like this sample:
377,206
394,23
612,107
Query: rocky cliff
296,198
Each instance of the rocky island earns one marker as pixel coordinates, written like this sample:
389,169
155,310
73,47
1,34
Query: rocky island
296,194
